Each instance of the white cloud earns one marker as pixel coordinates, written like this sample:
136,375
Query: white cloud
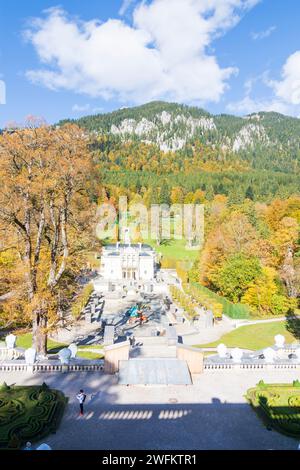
249,105
163,55
263,34
288,89
77,108
282,95
125,6
2,92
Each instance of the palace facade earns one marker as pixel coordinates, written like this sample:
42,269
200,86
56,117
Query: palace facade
126,261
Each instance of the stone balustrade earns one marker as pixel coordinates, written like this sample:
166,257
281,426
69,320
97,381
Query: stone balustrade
249,366
52,366
10,354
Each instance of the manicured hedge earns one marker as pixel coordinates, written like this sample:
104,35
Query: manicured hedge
81,300
202,299
278,405
28,414
231,310
184,301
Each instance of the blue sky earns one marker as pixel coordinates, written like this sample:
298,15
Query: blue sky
73,58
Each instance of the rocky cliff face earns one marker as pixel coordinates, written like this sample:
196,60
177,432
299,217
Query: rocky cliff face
248,136
167,131
171,132
172,126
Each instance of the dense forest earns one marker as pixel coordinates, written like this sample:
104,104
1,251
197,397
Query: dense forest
244,170
265,140
251,250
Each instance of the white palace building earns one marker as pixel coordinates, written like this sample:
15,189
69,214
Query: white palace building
130,268
127,262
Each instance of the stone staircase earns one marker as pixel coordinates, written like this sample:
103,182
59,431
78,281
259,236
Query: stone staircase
153,361
154,350
154,347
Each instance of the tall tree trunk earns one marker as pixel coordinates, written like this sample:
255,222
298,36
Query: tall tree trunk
39,333
288,274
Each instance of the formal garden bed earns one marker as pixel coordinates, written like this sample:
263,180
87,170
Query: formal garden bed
278,405
28,414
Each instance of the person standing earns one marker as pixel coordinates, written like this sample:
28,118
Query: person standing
81,396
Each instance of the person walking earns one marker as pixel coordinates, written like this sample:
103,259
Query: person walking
81,396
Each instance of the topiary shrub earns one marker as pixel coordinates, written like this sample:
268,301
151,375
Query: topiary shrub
81,301
29,414
261,384
4,387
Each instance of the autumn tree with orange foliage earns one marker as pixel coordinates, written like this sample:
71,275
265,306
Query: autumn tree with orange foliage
46,211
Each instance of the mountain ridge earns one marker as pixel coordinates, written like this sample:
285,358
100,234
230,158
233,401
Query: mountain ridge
172,126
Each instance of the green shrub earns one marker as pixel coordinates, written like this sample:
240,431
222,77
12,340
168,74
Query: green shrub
81,300
4,387
261,384
184,301
201,299
229,309
29,414
278,405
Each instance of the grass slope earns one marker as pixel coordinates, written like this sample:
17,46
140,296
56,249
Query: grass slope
175,249
25,341
258,336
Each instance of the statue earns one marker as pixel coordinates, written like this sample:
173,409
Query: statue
237,355
222,350
10,341
30,356
64,356
73,348
269,355
279,341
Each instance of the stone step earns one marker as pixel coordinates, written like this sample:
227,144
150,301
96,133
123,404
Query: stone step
153,351
154,371
159,341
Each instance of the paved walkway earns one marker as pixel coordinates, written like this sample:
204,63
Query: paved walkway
191,336
81,331
212,414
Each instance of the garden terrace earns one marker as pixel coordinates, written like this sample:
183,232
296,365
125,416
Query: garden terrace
28,414
278,405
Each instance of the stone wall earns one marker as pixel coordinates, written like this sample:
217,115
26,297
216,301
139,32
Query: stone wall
114,354
192,356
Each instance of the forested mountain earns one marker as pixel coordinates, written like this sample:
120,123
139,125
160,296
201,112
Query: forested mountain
251,198
266,140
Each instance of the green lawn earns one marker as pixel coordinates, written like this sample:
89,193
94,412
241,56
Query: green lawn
28,414
253,337
90,355
278,405
174,249
91,346
25,341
